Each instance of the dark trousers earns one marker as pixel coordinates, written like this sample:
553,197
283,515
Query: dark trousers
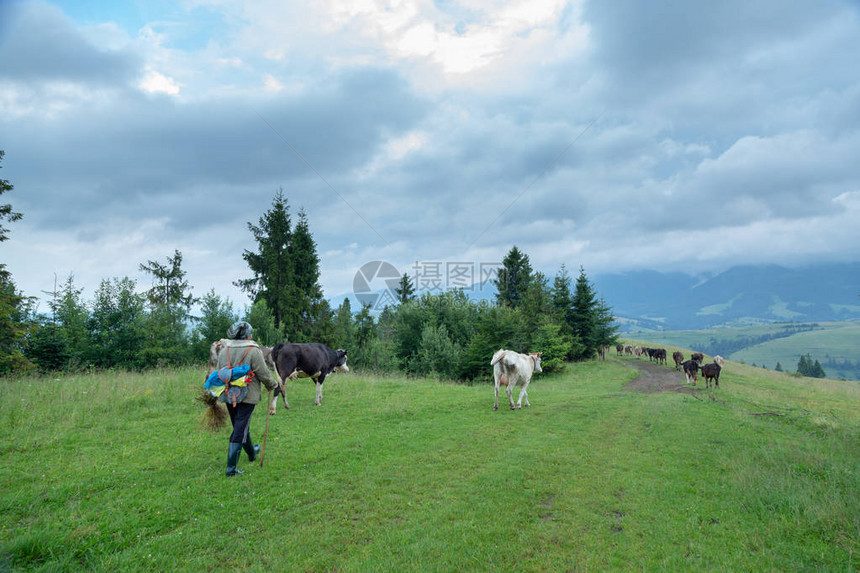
240,416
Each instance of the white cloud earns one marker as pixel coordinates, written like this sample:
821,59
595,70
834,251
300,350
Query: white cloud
156,82
271,84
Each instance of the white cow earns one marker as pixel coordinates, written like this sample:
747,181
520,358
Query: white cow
510,367
216,347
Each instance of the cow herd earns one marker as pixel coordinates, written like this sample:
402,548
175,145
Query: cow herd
690,368
317,361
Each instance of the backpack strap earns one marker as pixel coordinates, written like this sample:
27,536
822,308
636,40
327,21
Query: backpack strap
230,362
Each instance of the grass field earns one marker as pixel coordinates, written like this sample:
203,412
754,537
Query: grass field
837,340
111,472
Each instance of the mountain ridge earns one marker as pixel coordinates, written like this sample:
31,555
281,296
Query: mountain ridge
744,294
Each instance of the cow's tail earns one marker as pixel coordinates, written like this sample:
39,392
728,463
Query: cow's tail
497,357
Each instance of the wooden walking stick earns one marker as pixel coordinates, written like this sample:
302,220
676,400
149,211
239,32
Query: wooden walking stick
266,431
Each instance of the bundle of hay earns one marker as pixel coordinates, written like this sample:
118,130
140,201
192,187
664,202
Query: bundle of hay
215,416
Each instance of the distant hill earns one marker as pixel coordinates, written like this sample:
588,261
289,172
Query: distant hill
743,295
836,345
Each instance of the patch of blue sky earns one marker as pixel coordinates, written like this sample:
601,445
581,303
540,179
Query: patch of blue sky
463,16
183,29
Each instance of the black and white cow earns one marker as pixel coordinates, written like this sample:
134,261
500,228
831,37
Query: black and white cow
691,370
306,360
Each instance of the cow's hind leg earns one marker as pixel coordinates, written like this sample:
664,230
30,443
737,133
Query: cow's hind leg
510,390
524,394
500,379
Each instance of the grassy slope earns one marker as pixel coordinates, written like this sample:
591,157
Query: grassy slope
839,340
112,473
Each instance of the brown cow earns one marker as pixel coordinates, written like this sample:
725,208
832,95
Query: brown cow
678,357
711,372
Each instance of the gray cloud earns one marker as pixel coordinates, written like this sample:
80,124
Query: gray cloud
718,127
38,42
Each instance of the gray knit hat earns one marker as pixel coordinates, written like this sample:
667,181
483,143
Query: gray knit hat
240,331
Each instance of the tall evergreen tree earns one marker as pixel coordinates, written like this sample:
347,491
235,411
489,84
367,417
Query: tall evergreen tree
344,326
167,340
816,371
405,290
6,212
365,330
513,278
605,329
561,298
170,287
535,307
14,325
72,315
584,316
308,298
273,272
14,306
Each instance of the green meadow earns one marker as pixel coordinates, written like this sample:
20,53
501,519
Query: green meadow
113,472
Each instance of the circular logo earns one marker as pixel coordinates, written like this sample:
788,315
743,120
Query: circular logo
375,283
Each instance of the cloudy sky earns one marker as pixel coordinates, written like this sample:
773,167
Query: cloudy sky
613,134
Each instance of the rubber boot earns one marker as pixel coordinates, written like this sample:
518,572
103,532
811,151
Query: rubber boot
252,451
233,459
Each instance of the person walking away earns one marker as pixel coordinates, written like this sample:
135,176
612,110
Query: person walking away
241,350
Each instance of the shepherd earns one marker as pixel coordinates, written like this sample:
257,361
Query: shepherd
238,351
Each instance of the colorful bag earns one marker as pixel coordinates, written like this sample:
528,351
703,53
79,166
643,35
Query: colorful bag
228,384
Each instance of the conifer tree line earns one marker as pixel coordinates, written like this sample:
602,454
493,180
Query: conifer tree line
446,335
806,366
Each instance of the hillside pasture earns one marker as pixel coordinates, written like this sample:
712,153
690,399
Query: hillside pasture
837,340
112,472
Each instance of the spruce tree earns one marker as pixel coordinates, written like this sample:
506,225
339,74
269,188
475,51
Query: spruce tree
405,290
308,296
273,278
71,315
816,371
6,212
513,278
561,297
170,287
169,310
606,331
14,306
344,326
803,366
584,316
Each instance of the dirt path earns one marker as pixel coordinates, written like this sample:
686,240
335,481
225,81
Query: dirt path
656,378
